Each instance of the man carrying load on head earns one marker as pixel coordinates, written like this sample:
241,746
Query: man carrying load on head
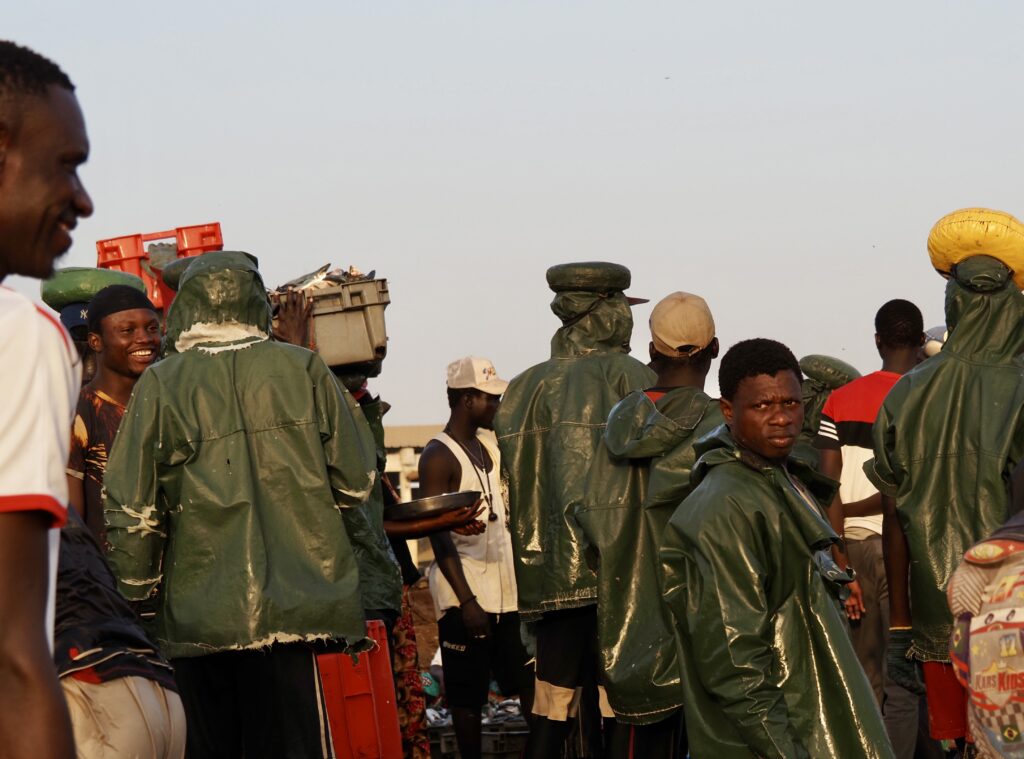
550,427
945,442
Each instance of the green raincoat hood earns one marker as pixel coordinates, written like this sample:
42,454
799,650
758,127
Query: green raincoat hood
550,426
639,659
984,313
591,323
221,301
822,375
768,668
948,436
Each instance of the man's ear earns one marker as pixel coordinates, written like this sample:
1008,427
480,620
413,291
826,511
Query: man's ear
724,405
714,347
95,342
650,350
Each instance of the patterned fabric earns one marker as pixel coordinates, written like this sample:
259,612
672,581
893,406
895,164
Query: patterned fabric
92,436
412,704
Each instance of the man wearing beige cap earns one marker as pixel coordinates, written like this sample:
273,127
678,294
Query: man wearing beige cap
654,431
561,480
472,579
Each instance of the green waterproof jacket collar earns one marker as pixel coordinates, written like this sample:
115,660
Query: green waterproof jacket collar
768,666
948,436
224,484
639,659
550,426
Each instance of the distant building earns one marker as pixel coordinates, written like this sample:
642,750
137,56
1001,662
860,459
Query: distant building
404,443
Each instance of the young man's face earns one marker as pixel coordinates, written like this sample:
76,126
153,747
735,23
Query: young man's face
41,196
483,407
128,341
766,414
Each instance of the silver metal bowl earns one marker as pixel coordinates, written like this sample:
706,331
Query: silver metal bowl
433,506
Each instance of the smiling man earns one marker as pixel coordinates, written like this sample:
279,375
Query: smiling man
768,667
42,143
124,333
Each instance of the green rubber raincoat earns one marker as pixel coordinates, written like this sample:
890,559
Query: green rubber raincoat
948,436
225,481
550,426
634,627
380,579
768,667
822,375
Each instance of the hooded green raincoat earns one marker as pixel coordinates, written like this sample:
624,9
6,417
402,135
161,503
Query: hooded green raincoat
634,627
822,375
768,667
550,426
948,436
380,579
225,481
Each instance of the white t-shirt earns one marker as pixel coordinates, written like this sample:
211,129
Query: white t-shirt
42,373
486,558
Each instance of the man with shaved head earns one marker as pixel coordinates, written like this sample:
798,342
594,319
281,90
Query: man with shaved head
42,144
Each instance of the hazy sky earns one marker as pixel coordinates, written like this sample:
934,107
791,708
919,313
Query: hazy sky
784,160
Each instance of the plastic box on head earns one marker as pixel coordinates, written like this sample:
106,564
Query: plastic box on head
348,321
129,254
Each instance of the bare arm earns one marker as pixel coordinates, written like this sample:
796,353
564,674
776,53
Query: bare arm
293,318
76,495
832,466
34,722
866,507
897,565
421,528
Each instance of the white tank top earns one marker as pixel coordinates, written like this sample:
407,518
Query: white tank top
486,558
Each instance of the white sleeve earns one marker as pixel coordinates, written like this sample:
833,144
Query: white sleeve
42,371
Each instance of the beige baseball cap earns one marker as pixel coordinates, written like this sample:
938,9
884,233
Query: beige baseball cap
681,325
477,373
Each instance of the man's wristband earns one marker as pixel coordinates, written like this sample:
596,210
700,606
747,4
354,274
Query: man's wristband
463,603
900,629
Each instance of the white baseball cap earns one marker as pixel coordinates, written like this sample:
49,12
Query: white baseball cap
477,373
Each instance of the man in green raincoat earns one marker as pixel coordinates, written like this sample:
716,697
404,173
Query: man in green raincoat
946,441
768,666
550,426
380,581
654,430
223,493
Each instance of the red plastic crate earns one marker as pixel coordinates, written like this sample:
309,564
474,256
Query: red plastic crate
129,252
360,700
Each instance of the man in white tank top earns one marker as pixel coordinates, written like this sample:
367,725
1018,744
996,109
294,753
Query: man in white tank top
472,579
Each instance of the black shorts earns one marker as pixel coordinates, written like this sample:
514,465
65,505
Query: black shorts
468,664
567,659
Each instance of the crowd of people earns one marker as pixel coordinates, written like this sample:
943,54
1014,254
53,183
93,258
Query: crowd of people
669,573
